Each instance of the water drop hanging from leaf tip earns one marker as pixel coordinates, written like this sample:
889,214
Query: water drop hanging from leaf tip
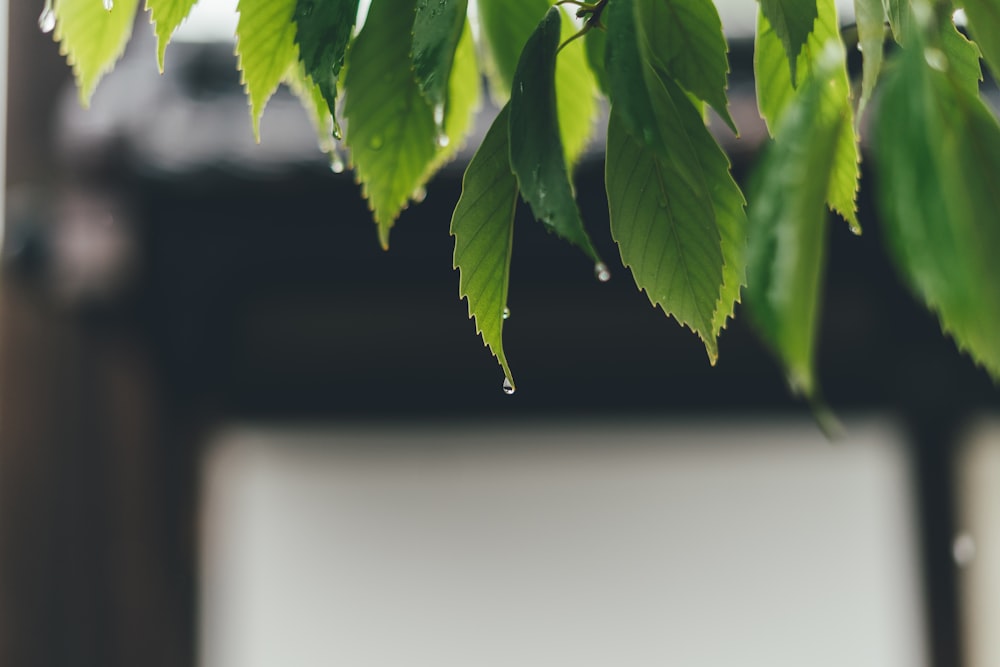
508,388
47,19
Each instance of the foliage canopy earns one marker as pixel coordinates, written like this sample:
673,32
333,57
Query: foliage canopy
406,86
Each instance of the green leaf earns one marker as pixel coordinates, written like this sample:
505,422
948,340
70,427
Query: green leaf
792,21
788,230
536,152
870,18
594,44
265,45
322,30
166,16
312,100
961,58
984,24
775,93
483,227
390,126
92,38
938,153
436,31
464,92
666,214
505,27
684,39
627,71
900,18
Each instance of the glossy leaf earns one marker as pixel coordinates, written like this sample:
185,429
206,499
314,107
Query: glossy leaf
775,93
322,30
792,21
312,100
483,227
92,38
265,45
390,126
594,43
788,231
870,18
938,150
984,24
536,152
166,16
505,28
436,30
684,38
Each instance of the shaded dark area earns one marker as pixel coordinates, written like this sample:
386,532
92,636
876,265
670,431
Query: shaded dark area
261,292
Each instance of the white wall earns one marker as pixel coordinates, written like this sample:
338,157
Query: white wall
571,544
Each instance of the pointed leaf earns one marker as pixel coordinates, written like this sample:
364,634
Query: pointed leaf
870,17
505,27
312,100
436,30
938,156
483,227
92,38
166,16
684,39
788,230
775,93
792,21
265,45
984,23
322,30
627,72
390,126
536,152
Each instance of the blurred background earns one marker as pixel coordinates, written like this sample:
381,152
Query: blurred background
234,432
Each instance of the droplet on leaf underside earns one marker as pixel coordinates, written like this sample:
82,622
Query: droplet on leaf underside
375,143
47,19
601,272
508,388
443,140
505,313
439,115
419,195
109,4
936,59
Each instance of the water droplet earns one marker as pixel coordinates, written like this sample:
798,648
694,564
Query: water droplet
505,313
936,59
419,195
109,5
439,115
443,140
47,19
336,162
508,388
963,549
601,272
375,143
336,131
861,49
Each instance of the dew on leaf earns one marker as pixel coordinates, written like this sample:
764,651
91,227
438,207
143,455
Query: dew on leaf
109,4
601,272
47,19
443,140
419,195
375,143
508,388
505,313
439,115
